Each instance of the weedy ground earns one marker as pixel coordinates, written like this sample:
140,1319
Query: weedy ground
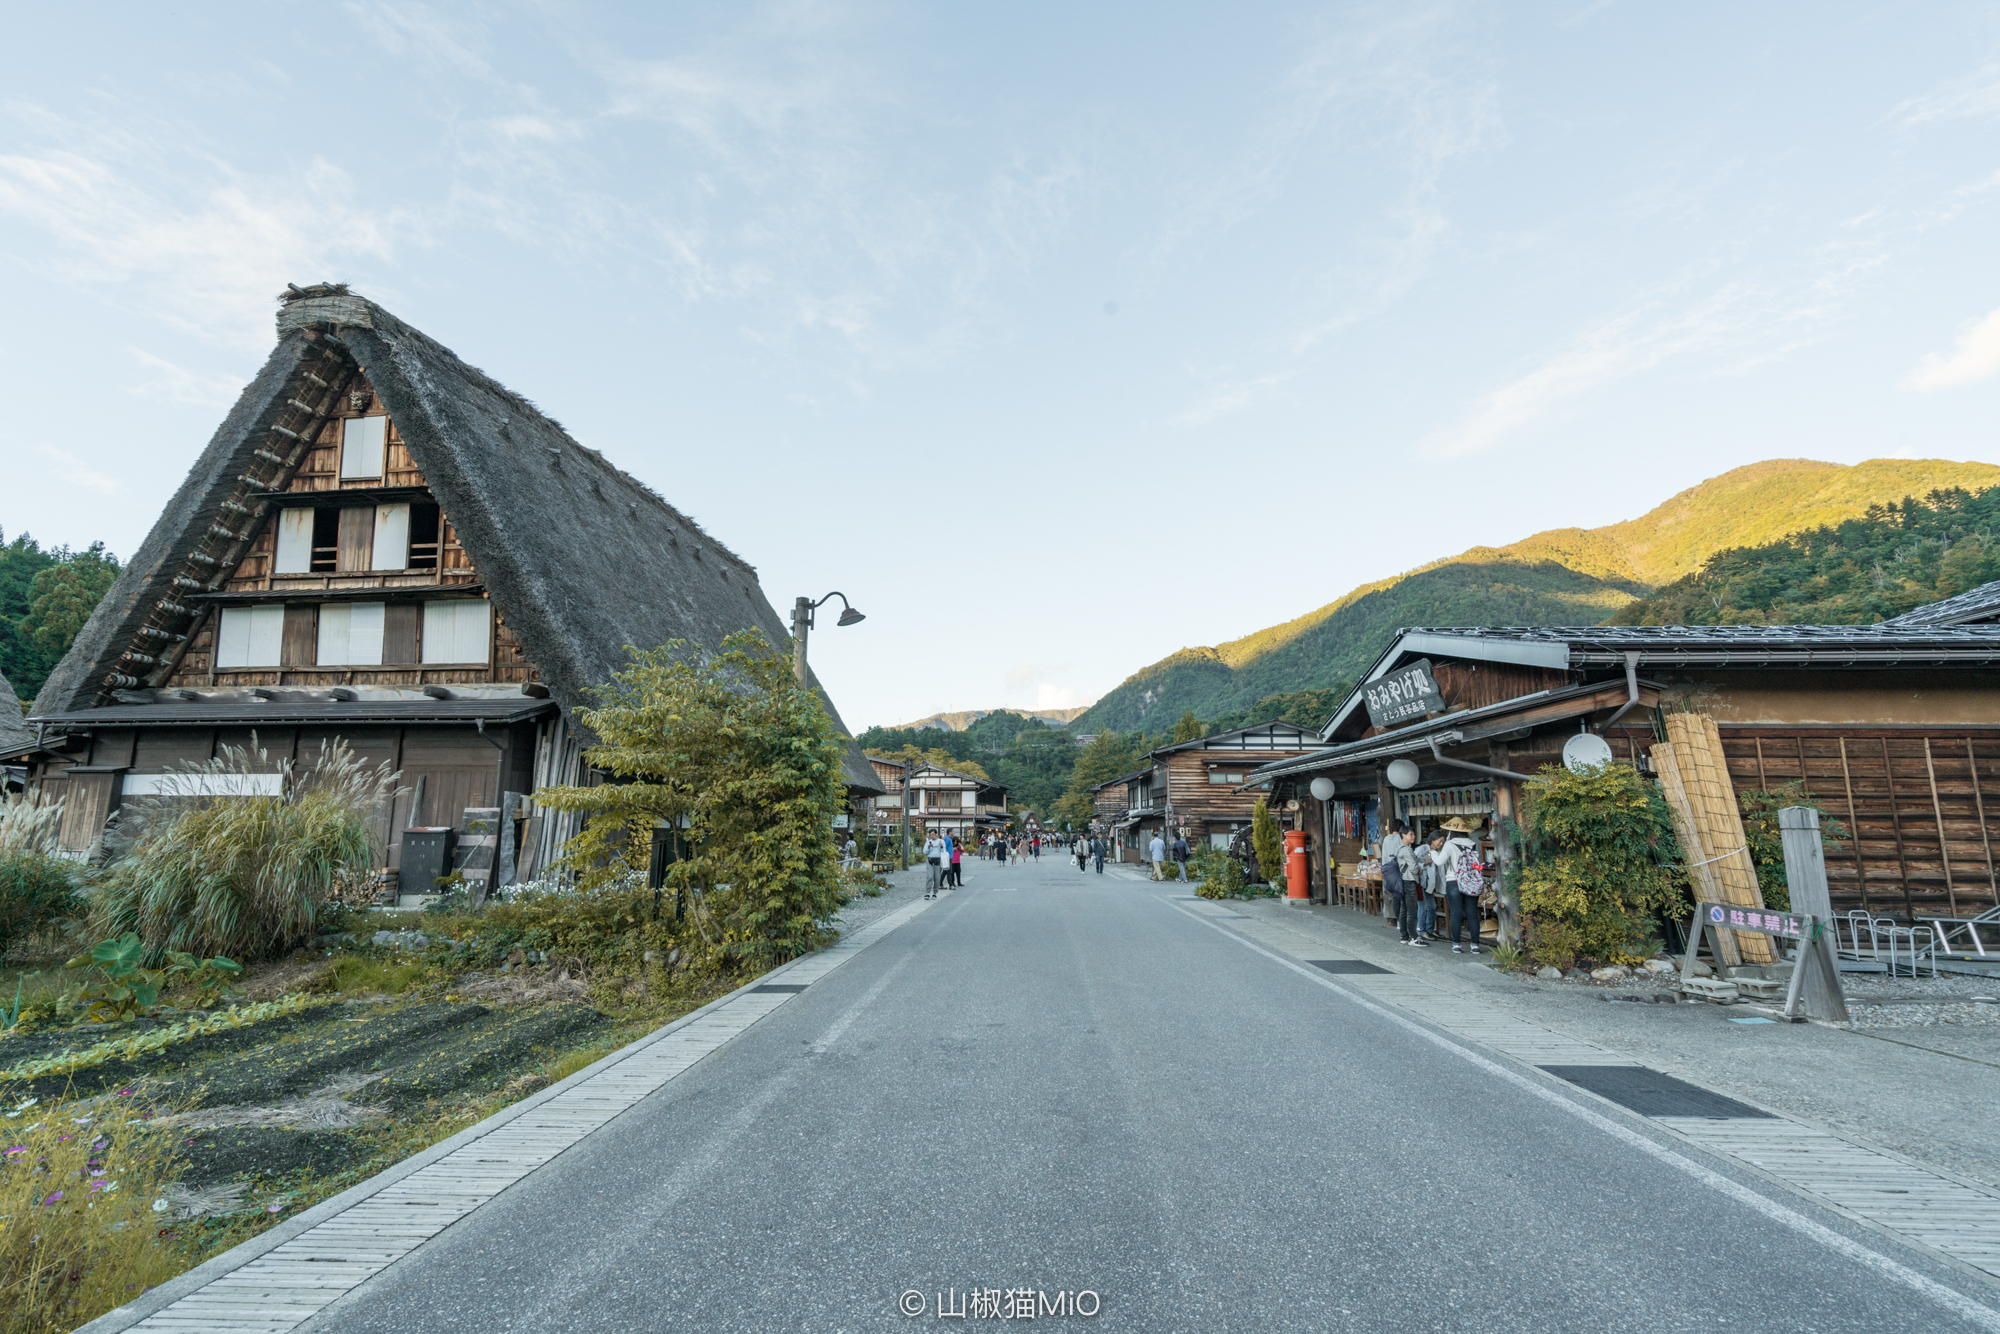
353,1058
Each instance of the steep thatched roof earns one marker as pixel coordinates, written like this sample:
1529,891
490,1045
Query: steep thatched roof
581,558
15,734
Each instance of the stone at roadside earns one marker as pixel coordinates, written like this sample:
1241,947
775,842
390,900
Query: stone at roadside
400,940
1659,966
1552,974
1616,972
1702,970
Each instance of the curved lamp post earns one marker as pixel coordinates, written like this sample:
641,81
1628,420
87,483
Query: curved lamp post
802,624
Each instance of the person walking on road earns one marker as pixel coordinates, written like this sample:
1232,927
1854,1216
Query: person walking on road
957,872
1097,853
1158,849
1080,849
1464,881
1181,853
934,859
1036,844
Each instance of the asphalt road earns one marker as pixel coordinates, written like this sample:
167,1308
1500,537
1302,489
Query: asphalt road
1064,1083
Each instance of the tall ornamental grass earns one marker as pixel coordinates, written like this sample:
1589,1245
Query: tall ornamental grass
38,884
79,1233
242,876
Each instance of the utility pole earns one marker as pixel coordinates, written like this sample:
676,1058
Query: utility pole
802,615
906,814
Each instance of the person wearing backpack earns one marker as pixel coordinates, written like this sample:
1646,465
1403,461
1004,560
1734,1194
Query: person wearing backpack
1464,881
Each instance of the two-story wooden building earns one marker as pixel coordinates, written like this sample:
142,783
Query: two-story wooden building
382,544
1894,727
1194,790
945,801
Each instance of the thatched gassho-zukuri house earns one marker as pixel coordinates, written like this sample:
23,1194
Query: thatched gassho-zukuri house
383,544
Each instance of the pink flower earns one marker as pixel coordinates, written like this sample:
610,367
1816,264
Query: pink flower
99,1185
53,1198
18,1148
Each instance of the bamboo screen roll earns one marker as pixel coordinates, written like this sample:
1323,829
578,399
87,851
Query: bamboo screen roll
1712,810
1700,869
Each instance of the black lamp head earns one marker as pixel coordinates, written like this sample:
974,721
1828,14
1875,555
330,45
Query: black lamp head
849,617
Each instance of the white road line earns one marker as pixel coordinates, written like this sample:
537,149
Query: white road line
263,1287
853,1012
1977,1313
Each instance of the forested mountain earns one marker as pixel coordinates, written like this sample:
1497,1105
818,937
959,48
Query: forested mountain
1892,559
962,719
1564,576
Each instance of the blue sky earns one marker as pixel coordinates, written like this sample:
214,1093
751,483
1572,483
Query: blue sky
1058,336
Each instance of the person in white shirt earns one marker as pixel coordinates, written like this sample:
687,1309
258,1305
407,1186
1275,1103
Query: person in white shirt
1158,849
934,854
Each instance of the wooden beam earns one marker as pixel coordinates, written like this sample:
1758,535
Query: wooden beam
1979,804
1937,811
1896,822
1854,828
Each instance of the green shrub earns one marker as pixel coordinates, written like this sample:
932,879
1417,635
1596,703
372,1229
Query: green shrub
1264,838
732,749
242,877
36,890
1221,874
1598,848
1760,828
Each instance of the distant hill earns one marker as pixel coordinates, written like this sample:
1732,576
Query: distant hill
959,722
1565,576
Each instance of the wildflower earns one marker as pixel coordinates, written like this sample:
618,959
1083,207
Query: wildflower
96,1186
99,1172
53,1198
274,1208
159,1206
18,1148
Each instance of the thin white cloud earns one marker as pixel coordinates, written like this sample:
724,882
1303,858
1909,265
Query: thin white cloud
1049,696
177,384
73,470
1657,330
1972,95
1976,357
193,241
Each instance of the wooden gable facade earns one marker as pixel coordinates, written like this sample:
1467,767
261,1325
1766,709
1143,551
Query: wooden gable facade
946,801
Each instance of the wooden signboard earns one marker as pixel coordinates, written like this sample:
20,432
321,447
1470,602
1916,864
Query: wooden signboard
1815,959
1405,694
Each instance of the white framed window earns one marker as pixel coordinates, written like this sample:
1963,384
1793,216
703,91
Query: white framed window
456,630
295,542
1221,776
392,537
350,634
250,636
363,442
204,785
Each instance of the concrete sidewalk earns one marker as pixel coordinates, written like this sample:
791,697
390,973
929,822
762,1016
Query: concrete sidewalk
1926,1093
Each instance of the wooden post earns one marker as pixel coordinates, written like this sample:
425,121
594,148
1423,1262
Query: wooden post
1815,989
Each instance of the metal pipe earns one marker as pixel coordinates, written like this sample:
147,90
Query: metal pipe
1488,769
1631,691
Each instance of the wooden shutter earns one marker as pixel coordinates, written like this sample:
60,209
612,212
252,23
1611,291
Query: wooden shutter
400,623
295,542
86,804
392,537
361,446
357,539
296,644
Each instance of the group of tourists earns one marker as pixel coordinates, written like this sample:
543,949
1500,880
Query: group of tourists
944,856
1087,850
1416,875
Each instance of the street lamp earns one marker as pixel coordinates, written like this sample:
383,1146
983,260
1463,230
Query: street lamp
802,622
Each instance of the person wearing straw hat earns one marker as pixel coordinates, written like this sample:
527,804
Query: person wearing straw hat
1459,860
